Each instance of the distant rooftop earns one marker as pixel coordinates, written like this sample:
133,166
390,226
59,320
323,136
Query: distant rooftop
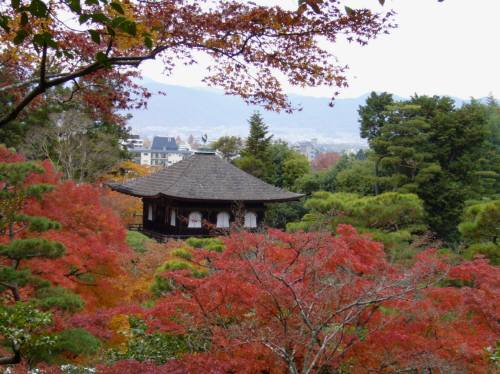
164,143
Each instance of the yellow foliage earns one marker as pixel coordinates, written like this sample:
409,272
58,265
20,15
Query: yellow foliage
119,325
126,170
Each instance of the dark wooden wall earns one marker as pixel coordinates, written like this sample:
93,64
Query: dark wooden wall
162,208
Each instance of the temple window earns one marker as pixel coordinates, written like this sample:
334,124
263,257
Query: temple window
223,220
150,212
250,220
194,220
172,217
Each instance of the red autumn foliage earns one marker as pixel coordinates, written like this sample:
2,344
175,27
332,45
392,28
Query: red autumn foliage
325,160
94,240
275,302
245,42
96,252
310,302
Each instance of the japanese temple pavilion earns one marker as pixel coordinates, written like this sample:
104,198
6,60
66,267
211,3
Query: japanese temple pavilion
202,195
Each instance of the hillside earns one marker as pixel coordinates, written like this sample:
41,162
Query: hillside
186,110
196,110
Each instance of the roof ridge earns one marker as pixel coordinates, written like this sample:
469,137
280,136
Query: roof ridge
254,177
206,177
186,161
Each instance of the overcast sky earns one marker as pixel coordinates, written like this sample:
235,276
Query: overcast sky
449,48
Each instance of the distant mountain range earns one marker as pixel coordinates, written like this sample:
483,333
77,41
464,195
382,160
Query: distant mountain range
197,111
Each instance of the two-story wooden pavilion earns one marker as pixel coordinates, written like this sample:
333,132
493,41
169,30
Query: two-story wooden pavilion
202,195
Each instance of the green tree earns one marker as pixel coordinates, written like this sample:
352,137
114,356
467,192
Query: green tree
278,152
253,165
255,155
488,174
393,218
427,146
311,182
258,141
279,215
294,168
229,146
359,178
480,229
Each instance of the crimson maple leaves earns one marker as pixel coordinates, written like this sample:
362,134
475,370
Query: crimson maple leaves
313,303
270,302
96,47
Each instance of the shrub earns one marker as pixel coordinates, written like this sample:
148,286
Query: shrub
137,241
210,244
489,250
182,253
163,284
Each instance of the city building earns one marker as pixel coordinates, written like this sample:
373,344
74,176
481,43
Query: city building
309,148
164,151
134,141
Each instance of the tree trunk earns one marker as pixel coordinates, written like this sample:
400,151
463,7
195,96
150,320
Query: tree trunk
11,360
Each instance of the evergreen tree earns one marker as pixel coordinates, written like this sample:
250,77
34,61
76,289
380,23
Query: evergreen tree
427,146
229,146
25,316
488,174
258,141
481,230
393,218
255,157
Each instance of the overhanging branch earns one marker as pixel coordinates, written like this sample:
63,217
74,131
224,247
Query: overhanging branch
59,79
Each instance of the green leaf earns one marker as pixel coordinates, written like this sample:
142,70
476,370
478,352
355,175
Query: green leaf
99,18
59,297
15,4
34,247
20,36
75,6
95,36
148,42
130,27
117,21
117,7
102,58
4,23
44,38
78,342
110,30
38,8
83,18
349,11
24,19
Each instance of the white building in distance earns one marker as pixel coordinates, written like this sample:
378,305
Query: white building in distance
163,152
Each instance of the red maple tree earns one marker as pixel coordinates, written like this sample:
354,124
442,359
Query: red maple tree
96,253
97,46
325,160
314,303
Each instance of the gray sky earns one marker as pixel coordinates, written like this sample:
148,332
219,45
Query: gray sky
450,48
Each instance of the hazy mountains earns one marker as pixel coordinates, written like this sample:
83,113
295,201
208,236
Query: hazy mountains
197,111
186,111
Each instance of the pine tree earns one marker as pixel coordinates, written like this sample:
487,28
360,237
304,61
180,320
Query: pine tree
258,141
427,146
24,315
